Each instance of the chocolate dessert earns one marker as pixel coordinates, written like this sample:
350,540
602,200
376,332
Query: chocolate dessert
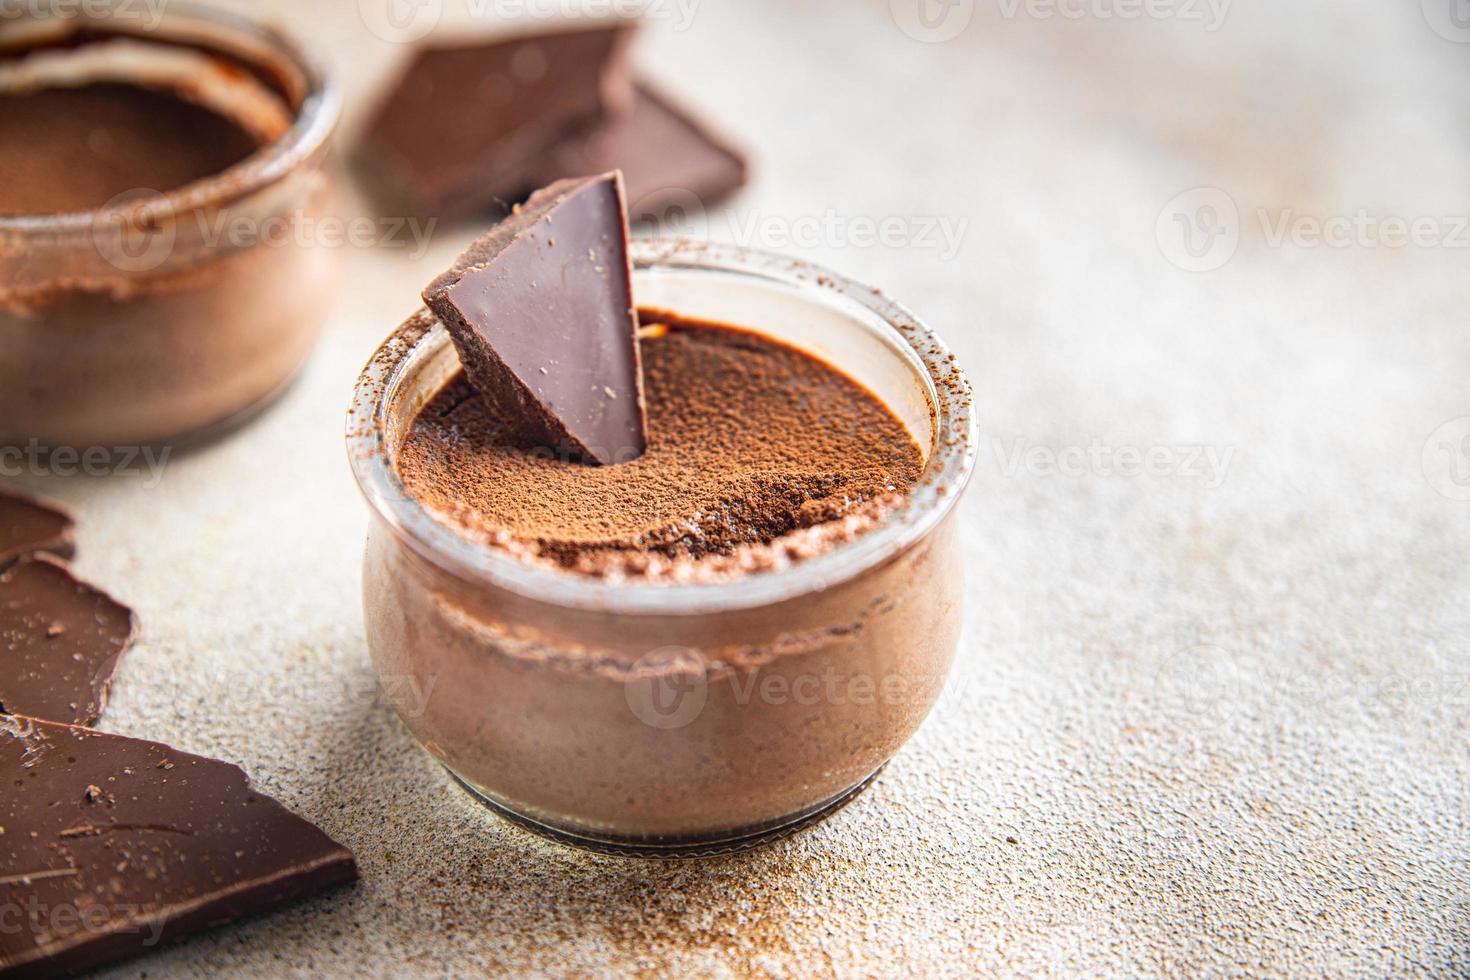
159,191
112,846
60,643
750,444
76,149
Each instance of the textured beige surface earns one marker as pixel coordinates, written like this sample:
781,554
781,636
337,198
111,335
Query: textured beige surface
1197,729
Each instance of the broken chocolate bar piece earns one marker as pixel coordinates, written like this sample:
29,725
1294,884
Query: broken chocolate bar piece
113,846
541,312
668,158
28,525
466,127
60,643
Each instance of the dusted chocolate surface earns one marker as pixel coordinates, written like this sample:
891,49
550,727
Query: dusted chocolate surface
60,642
748,441
113,846
74,149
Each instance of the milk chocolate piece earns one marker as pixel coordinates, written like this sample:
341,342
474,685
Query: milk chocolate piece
466,127
60,643
541,312
668,158
28,524
112,846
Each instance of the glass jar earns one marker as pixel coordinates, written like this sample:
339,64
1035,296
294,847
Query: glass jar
654,719
169,312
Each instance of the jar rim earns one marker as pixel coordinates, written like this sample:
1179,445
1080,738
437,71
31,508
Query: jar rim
312,125
946,472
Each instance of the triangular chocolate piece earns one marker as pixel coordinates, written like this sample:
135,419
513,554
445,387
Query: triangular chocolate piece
114,845
28,524
465,125
60,643
541,311
669,158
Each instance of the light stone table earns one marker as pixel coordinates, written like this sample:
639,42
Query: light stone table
1210,715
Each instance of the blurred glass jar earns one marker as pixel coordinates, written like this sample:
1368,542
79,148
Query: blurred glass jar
172,312
675,719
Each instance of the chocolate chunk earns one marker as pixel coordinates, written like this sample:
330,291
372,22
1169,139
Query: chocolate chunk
28,524
668,158
60,643
541,312
466,127
110,846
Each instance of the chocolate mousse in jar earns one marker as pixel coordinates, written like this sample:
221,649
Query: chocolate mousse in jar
708,646
165,174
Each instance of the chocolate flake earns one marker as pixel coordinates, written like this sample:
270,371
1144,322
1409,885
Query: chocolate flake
116,845
28,525
60,643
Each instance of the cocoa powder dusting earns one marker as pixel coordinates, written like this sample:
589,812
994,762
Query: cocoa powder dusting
758,455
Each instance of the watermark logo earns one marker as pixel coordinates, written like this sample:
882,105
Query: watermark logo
1205,680
1450,19
932,21
672,212
668,688
400,21
134,231
1446,459
1199,230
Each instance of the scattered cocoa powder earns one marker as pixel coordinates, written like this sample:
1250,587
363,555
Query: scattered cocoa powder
753,446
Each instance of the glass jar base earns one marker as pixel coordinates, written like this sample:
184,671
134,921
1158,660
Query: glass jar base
671,848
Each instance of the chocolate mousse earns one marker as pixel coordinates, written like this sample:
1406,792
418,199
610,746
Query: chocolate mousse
757,454
160,271
77,148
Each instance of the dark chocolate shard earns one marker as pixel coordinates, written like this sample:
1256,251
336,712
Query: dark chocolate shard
113,846
541,311
669,159
28,525
467,127
60,643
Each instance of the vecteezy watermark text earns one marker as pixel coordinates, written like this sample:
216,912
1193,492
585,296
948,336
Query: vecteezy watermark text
136,232
1207,465
134,462
407,21
1211,14
62,919
681,213
149,13
938,21
1200,230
